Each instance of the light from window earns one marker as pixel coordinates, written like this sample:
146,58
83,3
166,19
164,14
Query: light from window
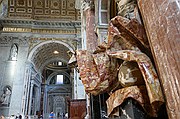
59,79
56,52
59,63
103,12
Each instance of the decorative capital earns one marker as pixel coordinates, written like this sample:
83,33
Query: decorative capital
87,4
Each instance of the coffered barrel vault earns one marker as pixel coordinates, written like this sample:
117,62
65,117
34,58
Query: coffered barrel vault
49,51
43,9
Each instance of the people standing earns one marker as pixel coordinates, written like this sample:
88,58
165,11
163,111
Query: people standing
66,116
51,115
20,116
41,117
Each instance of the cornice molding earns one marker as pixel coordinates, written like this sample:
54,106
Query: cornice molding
40,24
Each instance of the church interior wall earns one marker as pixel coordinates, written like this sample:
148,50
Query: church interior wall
23,25
160,20
13,72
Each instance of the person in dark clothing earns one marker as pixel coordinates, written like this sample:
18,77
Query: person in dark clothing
20,116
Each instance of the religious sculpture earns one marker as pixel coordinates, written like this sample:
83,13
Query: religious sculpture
13,52
5,97
3,9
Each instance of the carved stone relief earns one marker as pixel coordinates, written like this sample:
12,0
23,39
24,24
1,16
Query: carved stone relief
6,40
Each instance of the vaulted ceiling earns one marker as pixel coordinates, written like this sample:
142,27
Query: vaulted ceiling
49,52
39,19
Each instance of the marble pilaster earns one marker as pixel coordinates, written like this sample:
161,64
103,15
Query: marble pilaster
30,98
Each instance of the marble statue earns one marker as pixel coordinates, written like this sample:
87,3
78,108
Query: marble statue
5,97
13,52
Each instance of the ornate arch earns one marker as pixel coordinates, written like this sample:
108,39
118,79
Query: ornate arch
56,73
42,54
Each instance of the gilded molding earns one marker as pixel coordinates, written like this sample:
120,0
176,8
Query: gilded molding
48,27
48,31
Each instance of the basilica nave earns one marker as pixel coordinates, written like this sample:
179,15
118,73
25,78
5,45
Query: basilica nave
91,59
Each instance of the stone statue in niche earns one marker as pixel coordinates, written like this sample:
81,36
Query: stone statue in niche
5,97
13,52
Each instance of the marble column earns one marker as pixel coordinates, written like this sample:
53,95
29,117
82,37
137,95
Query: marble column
88,9
45,100
162,22
91,38
39,97
26,89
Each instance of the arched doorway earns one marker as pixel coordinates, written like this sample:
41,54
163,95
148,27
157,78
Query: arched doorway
49,61
57,88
